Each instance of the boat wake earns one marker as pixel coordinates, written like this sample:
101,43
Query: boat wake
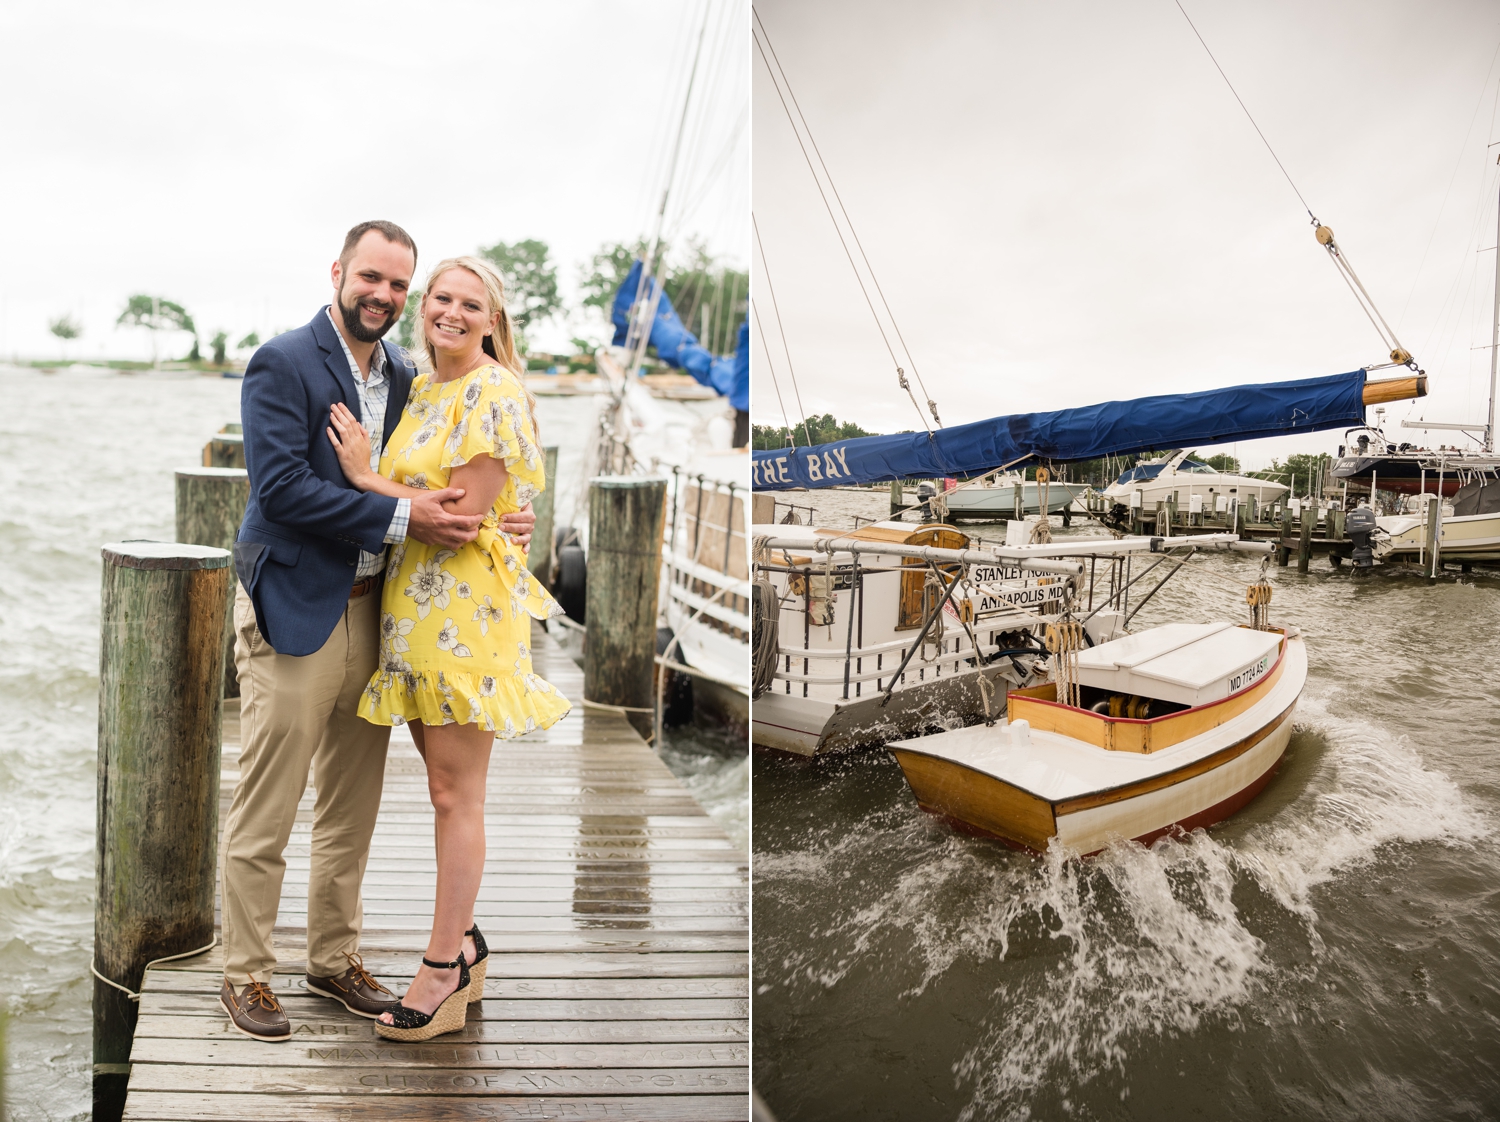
1083,960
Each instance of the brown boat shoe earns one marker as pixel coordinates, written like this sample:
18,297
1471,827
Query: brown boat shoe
255,1011
355,988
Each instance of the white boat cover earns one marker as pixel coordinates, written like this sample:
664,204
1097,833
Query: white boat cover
1186,663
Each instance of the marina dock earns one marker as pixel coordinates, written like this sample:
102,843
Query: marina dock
616,914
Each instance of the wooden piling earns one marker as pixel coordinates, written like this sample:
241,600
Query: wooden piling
626,518
1434,537
1305,531
898,497
160,679
539,558
226,449
210,507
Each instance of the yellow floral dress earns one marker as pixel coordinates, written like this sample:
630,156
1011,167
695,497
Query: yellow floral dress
455,628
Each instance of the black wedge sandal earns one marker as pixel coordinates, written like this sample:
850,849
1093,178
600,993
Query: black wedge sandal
480,966
411,1025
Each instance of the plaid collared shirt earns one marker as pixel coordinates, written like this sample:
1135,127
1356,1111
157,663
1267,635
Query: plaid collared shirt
374,392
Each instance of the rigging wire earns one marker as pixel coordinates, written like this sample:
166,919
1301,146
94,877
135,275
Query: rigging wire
900,373
771,366
875,279
1400,356
766,265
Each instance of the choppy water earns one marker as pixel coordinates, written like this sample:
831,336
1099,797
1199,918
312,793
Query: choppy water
87,456
1331,952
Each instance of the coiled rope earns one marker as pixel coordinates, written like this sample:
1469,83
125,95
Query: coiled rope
1064,640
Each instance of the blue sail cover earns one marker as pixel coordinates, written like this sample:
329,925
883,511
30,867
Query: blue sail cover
678,347
1113,428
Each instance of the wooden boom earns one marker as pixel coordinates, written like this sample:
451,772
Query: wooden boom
1395,389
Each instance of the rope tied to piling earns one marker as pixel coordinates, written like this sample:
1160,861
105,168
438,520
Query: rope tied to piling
132,994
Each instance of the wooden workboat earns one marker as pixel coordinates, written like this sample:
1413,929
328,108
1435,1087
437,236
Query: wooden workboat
1175,727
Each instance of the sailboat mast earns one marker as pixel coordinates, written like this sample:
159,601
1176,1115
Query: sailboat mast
1489,429
640,334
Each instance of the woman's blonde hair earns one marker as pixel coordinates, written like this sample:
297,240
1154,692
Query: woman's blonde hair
500,344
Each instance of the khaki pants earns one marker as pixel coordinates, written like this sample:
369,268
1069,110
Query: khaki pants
296,714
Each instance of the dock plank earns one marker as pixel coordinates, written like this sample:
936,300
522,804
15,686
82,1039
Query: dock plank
617,914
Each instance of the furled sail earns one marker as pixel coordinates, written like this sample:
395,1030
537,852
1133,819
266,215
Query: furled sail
1112,428
678,347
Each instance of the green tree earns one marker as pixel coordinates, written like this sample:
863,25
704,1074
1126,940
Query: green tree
406,330
65,327
1223,461
1301,471
156,314
530,279
814,430
711,298
219,343
249,342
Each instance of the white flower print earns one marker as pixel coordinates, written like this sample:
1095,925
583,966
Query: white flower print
531,724
486,613
472,391
463,591
523,663
525,492
534,684
393,632
398,555
418,481
487,686
510,727
475,713
511,563
430,584
456,437
447,640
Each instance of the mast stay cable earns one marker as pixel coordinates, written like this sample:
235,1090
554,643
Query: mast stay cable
1400,356
782,328
879,326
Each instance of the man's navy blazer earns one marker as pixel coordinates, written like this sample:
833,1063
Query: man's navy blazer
304,525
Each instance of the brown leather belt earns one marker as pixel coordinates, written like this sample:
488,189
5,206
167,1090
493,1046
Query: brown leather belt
365,587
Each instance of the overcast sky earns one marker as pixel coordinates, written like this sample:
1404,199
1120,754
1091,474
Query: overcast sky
215,154
1064,204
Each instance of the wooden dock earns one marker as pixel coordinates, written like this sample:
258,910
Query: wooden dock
616,914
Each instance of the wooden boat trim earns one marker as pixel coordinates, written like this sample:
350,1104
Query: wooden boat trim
1136,734
1176,776
939,775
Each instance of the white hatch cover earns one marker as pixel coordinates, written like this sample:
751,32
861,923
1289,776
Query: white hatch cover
1187,663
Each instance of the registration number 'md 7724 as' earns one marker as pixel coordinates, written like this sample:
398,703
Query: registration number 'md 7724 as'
1250,675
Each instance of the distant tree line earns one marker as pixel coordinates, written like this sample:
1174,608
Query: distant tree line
814,430
710,297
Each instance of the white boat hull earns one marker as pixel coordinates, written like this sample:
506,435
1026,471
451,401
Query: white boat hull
1474,537
1032,788
1000,501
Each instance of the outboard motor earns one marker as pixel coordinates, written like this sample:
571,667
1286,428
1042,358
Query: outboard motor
1360,526
1364,444
925,491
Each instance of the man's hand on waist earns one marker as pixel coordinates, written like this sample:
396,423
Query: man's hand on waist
433,525
519,524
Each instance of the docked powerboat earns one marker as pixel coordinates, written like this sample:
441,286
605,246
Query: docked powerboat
1172,728
1180,477
1007,495
1468,527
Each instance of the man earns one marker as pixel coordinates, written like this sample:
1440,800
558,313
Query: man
310,557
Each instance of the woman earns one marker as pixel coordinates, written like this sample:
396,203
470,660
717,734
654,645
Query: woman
455,660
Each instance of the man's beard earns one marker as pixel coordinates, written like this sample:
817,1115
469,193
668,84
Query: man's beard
356,328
